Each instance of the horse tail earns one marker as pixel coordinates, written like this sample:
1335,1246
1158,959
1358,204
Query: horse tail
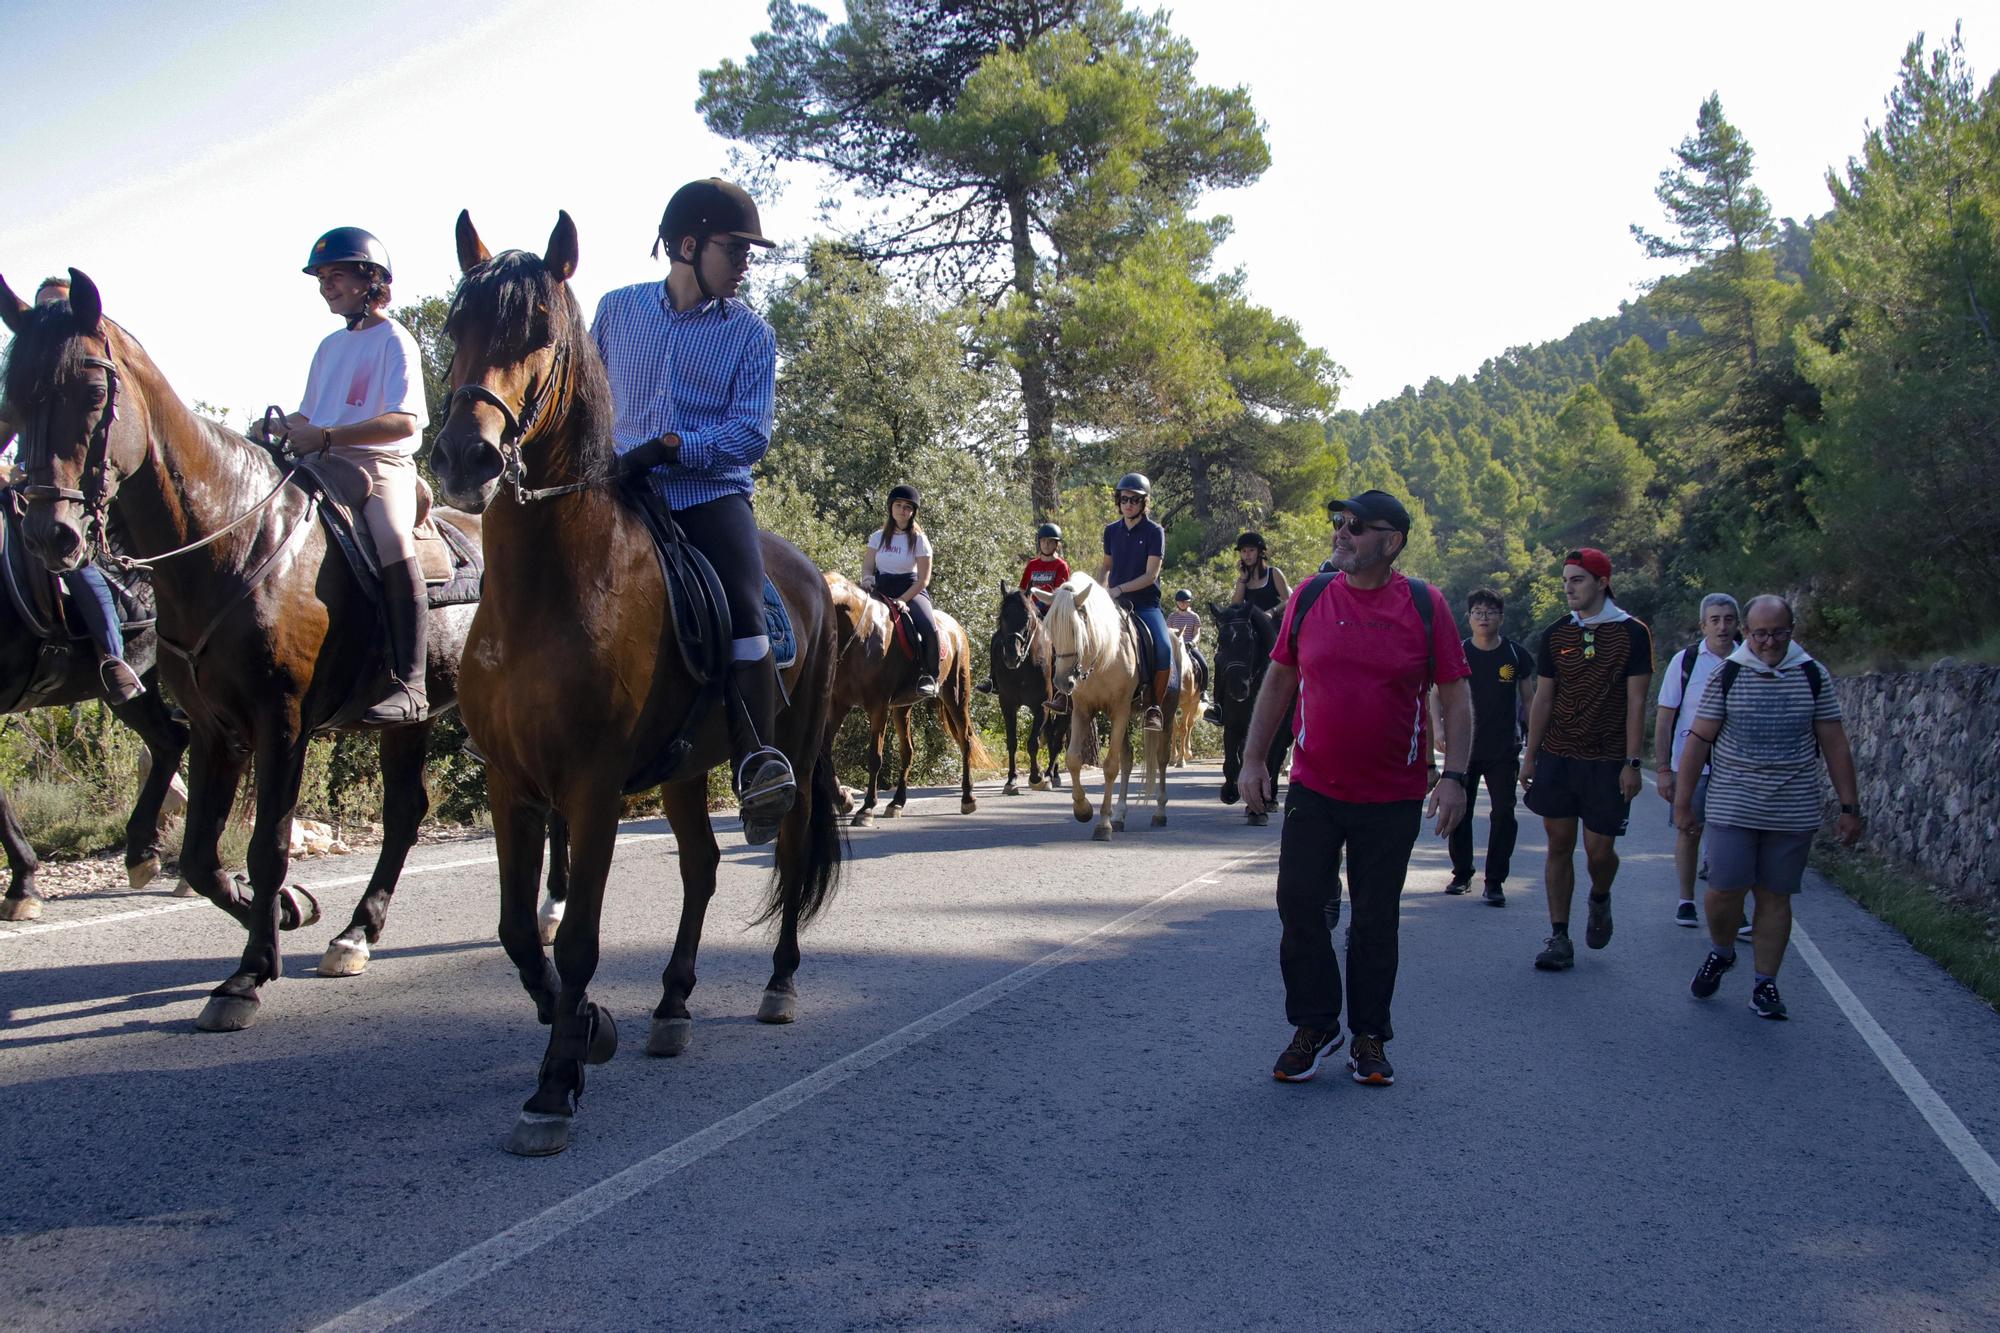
956,708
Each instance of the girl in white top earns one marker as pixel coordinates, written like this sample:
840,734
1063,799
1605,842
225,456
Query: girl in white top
897,565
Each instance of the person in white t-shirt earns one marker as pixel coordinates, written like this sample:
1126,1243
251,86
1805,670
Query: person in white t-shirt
364,403
897,565
1683,679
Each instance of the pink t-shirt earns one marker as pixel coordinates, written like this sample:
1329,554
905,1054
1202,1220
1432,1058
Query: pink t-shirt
1361,664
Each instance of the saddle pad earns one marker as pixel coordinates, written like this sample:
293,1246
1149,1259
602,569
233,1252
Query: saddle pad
778,624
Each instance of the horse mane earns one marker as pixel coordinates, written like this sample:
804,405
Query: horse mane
1071,628
45,353
521,307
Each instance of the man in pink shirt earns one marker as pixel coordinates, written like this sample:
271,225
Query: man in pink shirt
1360,661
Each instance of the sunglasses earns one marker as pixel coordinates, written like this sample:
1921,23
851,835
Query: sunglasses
1349,523
1131,499
736,250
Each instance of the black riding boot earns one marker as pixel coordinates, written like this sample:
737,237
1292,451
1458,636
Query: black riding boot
927,666
761,775
406,608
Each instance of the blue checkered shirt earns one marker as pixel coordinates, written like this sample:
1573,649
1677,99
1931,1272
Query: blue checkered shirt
707,374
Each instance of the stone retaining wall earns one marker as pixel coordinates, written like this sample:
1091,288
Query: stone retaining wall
1927,753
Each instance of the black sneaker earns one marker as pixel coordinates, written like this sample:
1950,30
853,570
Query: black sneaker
1300,1060
1370,1066
1764,1001
1684,915
1597,933
1710,976
985,687
1557,955
1212,715
1458,886
1495,896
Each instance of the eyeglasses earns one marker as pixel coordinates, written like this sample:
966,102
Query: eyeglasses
1131,499
1772,635
736,250
1349,523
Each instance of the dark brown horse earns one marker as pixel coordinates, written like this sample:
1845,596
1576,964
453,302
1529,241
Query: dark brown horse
266,634
574,682
1018,661
881,680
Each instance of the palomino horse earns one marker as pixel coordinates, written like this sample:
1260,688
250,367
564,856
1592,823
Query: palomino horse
1019,663
266,633
1095,655
1244,637
21,647
1190,710
882,681
574,683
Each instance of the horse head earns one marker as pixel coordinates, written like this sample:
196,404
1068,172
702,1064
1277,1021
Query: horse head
1067,625
528,390
1018,623
1243,640
79,434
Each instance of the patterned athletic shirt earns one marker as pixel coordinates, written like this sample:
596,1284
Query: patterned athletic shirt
1588,666
1765,770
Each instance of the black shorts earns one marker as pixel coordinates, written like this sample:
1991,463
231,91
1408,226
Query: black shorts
1585,789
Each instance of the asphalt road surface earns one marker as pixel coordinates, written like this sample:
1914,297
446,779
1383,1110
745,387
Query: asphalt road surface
1029,1087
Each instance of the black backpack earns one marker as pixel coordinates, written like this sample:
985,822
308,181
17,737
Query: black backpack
1420,596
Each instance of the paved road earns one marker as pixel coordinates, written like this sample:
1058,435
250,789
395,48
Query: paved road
1029,1088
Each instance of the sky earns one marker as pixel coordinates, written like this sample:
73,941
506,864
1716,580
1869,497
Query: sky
1447,181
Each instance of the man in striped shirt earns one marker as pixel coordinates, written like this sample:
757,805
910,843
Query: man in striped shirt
1767,719
693,378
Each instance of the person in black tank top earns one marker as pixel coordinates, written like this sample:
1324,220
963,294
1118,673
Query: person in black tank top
1258,582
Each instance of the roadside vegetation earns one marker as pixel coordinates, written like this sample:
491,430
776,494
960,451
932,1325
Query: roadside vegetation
1961,935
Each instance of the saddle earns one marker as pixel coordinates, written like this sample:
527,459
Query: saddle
903,631
453,568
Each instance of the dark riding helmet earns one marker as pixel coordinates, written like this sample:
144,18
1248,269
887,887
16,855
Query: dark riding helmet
1135,483
1255,539
1048,530
349,245
711,207
1184,595
906,492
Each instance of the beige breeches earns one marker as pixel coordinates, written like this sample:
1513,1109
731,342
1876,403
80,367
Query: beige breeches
390,510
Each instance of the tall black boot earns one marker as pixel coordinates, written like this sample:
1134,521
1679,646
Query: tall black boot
406,609
927,666
760,773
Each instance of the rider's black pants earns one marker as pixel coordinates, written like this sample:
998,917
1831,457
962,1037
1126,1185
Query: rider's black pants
725,531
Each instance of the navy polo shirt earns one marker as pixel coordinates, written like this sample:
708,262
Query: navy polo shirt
1129,549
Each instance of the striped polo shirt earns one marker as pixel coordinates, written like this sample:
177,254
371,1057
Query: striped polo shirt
1766,770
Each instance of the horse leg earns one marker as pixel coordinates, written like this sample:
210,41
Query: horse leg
1057,736
581,1032
24,900
551,915
1156,768
1013,723
518,830
902,796
1123,744
1119,720
687,811
1079,804
878,722
166,741
404,803
214,770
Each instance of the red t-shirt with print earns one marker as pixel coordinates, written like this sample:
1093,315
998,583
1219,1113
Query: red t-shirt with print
1362,688
1048,573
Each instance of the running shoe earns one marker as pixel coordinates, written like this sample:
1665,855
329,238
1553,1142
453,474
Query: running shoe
1300,1060
1558,955
1495,896
1458,886
1685,915
1597,933
1764,1001
1370,1066
1709,976
1744,931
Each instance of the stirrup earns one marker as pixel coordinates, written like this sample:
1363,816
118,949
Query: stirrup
765,787
118,678
403,703
1153,720
927,687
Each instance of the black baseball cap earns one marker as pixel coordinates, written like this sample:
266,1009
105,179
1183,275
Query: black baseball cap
1375,507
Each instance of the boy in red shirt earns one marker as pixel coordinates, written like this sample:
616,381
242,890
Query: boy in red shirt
1048,570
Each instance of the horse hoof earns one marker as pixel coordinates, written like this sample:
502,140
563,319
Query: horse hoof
227,1013
1082,816
1010,790
777,1006
536,1135
1229,794
967,806
1118,824
1102,833
21,909
550,917
1159,821
141,873
1260,819
1042,785
296,907
183,889
893,812
670,1036
344,958
863,820
175,802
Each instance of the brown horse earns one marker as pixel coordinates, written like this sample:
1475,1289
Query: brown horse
265,633
882,682
574,682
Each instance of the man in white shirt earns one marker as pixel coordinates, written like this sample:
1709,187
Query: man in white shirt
1685,677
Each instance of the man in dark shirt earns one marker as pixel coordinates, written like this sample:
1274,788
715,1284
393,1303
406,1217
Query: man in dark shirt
1503,677
1585,734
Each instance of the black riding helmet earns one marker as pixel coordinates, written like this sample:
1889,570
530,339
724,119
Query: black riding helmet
705,208
1134,483
1184,595
906,492
349,245
1048,530
1255,539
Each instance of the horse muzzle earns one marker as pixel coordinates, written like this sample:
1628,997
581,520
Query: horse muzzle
1236,683
57,541
468,467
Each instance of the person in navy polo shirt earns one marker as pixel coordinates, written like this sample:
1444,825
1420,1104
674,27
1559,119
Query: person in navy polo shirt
1134,546
1359,664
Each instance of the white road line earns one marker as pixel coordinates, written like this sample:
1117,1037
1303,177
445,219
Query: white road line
1944,1122
344,881
426,1289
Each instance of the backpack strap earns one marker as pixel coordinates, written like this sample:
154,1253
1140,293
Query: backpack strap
1420,597
1308,594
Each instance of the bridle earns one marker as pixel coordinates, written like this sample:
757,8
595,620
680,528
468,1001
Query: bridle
515,429
1023,639
95,497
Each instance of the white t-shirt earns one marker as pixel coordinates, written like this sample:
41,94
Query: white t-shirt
1705,665
360,374
901,555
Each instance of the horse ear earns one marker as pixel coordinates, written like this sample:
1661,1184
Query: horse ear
85,302
472,251
560,257
13,310
1085,587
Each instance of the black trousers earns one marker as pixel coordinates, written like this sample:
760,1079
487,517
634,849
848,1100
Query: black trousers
725,531
1376,839
895,585
1503,781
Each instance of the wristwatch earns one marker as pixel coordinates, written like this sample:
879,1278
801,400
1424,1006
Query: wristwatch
1850,809
1635,763
1453,775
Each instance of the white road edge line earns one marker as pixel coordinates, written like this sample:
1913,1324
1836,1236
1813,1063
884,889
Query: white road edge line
427,1288
344,881
1944,1122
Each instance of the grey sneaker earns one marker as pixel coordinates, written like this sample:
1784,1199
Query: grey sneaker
1710,974
1597,933
1369,1064
1685,915
1558,955
1744,931
1764,1001
1300,1061
1458,886
1495,896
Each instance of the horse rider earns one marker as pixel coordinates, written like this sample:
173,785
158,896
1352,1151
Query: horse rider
364,405
1134,547
89,593
897,566
1187,624
693,377
1258,581
1045,571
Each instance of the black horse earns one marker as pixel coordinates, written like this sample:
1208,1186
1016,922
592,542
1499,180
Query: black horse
1244,637
42,664
1020,681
